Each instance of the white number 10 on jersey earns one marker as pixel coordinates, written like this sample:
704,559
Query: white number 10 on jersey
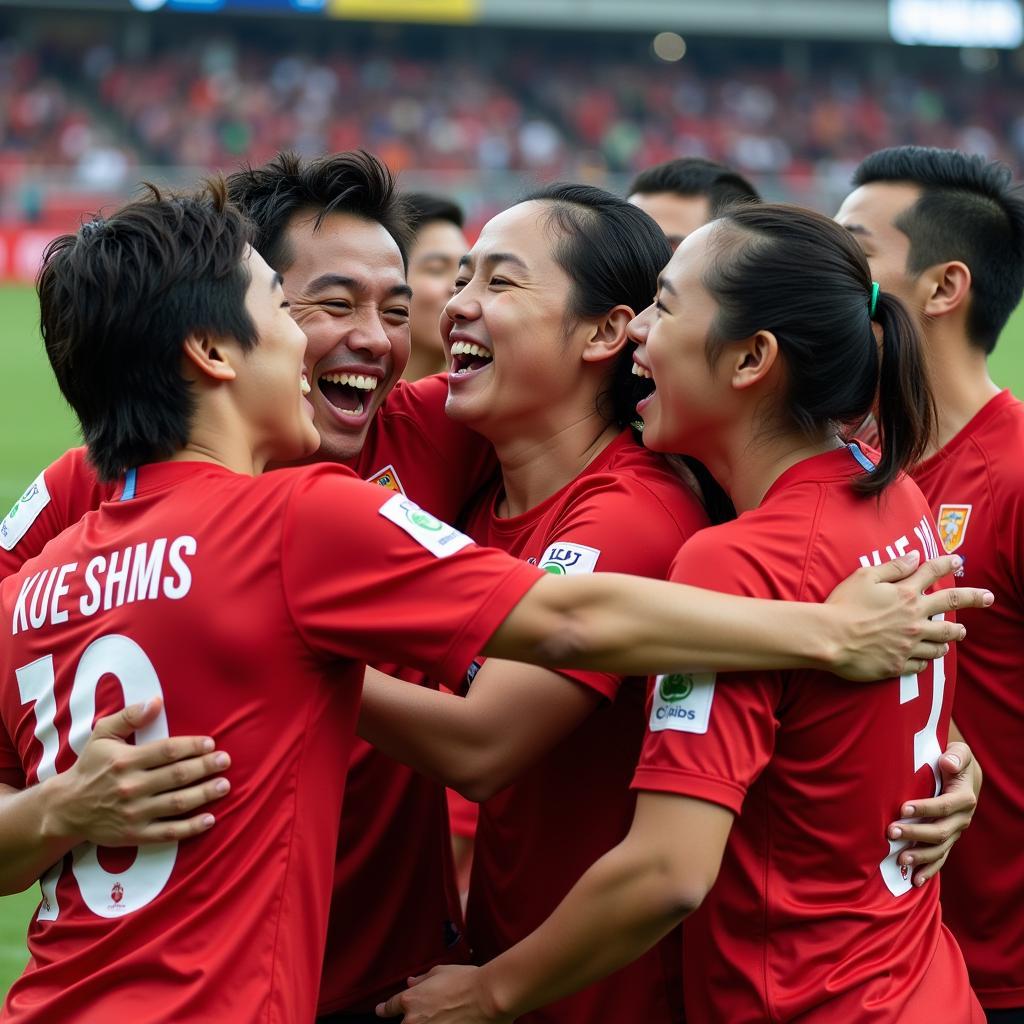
105,893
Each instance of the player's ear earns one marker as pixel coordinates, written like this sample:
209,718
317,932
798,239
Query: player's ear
208,357
607,335
949,284
752,359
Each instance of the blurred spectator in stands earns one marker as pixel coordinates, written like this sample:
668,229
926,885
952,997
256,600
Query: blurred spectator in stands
437,247
681,195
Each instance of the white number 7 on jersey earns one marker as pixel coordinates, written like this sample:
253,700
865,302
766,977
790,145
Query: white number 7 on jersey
105,893
926,752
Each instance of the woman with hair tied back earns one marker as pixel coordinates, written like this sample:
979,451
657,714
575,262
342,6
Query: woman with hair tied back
766,336
540,364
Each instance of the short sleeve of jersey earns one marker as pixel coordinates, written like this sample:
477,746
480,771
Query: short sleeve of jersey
11,771
709,737
56,499
618,526
370,576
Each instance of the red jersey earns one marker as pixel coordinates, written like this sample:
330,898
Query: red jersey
626,512
250,606
811,918
975,486
57,498
394,916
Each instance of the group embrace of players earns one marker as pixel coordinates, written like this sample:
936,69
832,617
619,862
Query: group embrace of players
677,646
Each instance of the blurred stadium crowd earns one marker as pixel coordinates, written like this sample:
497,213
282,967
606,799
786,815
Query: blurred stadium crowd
99,112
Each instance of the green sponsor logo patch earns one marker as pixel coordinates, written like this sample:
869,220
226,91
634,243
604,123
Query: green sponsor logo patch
554,568
424,520
675,687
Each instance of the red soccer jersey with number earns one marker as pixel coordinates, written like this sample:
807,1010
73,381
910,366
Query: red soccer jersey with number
627,512
975,486
394,915
811,919
250,605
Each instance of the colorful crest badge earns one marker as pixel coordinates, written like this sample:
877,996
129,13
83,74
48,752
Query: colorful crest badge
387,477
952,521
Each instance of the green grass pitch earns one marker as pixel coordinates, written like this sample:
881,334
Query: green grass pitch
37,426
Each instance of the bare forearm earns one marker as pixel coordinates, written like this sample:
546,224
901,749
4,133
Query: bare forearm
620,908
427,730
628,625
31,839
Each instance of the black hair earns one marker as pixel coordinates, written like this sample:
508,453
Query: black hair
802,277
117,301
356,183
695,176
969,210
612,252
422,208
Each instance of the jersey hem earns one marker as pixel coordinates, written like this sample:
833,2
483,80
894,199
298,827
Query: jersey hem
1000,998
684,783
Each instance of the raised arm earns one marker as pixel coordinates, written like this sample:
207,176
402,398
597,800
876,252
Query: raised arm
875,625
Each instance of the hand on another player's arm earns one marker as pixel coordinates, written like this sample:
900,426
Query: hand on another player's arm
115,794
625,902
941,820
886,626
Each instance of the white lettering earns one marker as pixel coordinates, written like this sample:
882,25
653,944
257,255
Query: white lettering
37,609
145,581
91,605
20,620
117,576
58,614
180,547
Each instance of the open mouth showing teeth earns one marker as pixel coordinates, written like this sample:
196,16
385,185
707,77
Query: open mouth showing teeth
639,371
346,391
467,357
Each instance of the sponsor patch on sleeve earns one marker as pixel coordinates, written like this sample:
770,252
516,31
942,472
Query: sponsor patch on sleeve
682,702
387,477
569,559
24,513
437,537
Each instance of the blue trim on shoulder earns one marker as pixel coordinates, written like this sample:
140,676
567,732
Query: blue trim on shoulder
854,449
129,485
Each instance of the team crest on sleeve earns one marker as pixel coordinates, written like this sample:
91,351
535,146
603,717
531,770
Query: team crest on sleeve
569,559
431,533
387,477
21,517
952,522
682,702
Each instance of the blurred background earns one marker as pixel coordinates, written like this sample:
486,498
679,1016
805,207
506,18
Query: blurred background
481,98
476,99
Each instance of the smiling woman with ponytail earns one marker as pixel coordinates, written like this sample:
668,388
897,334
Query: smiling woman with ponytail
775,788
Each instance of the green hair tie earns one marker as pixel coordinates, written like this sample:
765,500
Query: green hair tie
874,298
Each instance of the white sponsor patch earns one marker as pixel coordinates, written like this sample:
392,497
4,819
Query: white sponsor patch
438,538
569,559
17,522
682,702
